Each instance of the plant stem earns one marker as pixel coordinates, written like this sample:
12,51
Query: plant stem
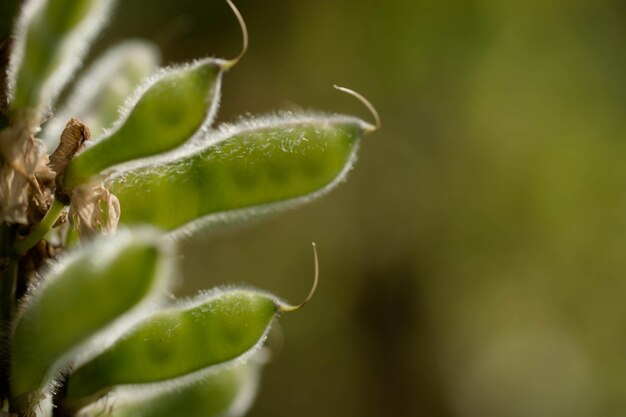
39,231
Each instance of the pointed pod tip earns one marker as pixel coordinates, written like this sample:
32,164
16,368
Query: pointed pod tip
228,64
377,122
286,308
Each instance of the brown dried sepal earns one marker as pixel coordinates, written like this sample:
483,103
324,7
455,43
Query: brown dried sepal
20,159
94,210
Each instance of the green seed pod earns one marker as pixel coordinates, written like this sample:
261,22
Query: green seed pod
183,341
167,112
103,88
252,168
223,392
212,329
51,38
83,301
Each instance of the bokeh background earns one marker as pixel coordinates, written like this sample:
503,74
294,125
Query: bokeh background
475,262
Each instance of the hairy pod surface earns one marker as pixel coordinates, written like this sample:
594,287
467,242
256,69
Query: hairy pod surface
213,329
78,298
167,113
103,88
282,160
224,392
51,38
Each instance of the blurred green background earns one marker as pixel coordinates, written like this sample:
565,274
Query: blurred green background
474,263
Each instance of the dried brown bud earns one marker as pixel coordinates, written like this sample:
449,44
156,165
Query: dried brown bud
72,138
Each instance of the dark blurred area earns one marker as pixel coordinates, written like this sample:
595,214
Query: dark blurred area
474,263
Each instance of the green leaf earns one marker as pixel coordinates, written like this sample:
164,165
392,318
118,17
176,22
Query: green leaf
110,281
103,88
51,39
167,112
225,392
209,330
260,165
